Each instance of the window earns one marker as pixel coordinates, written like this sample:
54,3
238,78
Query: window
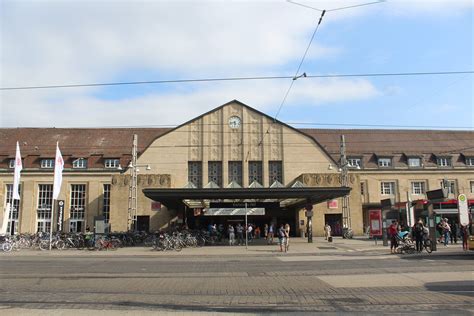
451,184
469,162
106,204
275,171
443,162
14,210
11,163
385,162
45,200
195,173
255,171
472,186
78,210
214,172
112,163
354,162
414,162
80,163
387,188
47,163
418,188
235,172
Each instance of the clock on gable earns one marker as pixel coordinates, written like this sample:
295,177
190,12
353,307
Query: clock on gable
235,122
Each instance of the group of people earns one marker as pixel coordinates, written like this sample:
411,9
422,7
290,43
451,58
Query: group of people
236,234
420,232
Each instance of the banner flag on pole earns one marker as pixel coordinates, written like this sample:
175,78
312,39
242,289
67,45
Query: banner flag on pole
16,177
58,172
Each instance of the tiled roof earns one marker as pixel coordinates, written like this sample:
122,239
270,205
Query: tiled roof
74,142
117,143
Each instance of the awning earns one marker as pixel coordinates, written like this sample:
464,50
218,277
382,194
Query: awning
295,197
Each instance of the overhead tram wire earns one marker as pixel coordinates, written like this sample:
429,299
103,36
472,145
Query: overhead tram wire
197,80
295,77
336,9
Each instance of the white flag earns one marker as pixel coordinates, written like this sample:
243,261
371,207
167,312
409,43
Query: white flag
16,177
58,172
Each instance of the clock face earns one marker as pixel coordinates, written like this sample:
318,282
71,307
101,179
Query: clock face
234,122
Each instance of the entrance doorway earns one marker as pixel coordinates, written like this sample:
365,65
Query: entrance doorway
143,223
335,221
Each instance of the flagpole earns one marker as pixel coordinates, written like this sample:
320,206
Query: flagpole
51,226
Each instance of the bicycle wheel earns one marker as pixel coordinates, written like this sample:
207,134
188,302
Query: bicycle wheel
60,245
428,247
44,245
7,247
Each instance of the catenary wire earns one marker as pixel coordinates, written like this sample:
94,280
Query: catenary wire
194,80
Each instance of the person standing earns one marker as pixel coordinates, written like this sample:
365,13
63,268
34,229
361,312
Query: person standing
287,237
464,235
231,235
240,234
250,232
281,237
257,232
392,233
446,232
418,229
454,233
265,231
327,231
270,234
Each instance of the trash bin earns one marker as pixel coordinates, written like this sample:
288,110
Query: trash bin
330,239
302,233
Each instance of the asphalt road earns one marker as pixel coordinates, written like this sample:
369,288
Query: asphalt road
351,283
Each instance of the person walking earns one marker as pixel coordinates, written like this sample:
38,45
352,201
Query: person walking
418,229
287,237
281,238
392,233
231,231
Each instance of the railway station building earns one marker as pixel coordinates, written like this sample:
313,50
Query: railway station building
231,154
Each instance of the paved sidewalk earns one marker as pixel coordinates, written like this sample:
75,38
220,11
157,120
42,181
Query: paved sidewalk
298,247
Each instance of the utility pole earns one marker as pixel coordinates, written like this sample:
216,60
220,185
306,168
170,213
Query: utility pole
346,211
133,192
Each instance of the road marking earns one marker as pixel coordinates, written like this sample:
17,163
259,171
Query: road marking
335,258
401,279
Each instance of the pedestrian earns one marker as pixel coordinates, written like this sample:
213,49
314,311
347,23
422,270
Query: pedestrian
240,234
418,230
439,229
265,231
327,231
257,232
270,234
231,235
454,233
287,237
446,232
464,235
281,237
250,232
392,233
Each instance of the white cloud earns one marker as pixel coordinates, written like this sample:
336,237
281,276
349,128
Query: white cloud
51,42
175,107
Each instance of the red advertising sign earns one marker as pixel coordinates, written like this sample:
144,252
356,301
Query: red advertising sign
332,204
155,206
375,220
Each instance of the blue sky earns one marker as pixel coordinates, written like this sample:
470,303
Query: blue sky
54,42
